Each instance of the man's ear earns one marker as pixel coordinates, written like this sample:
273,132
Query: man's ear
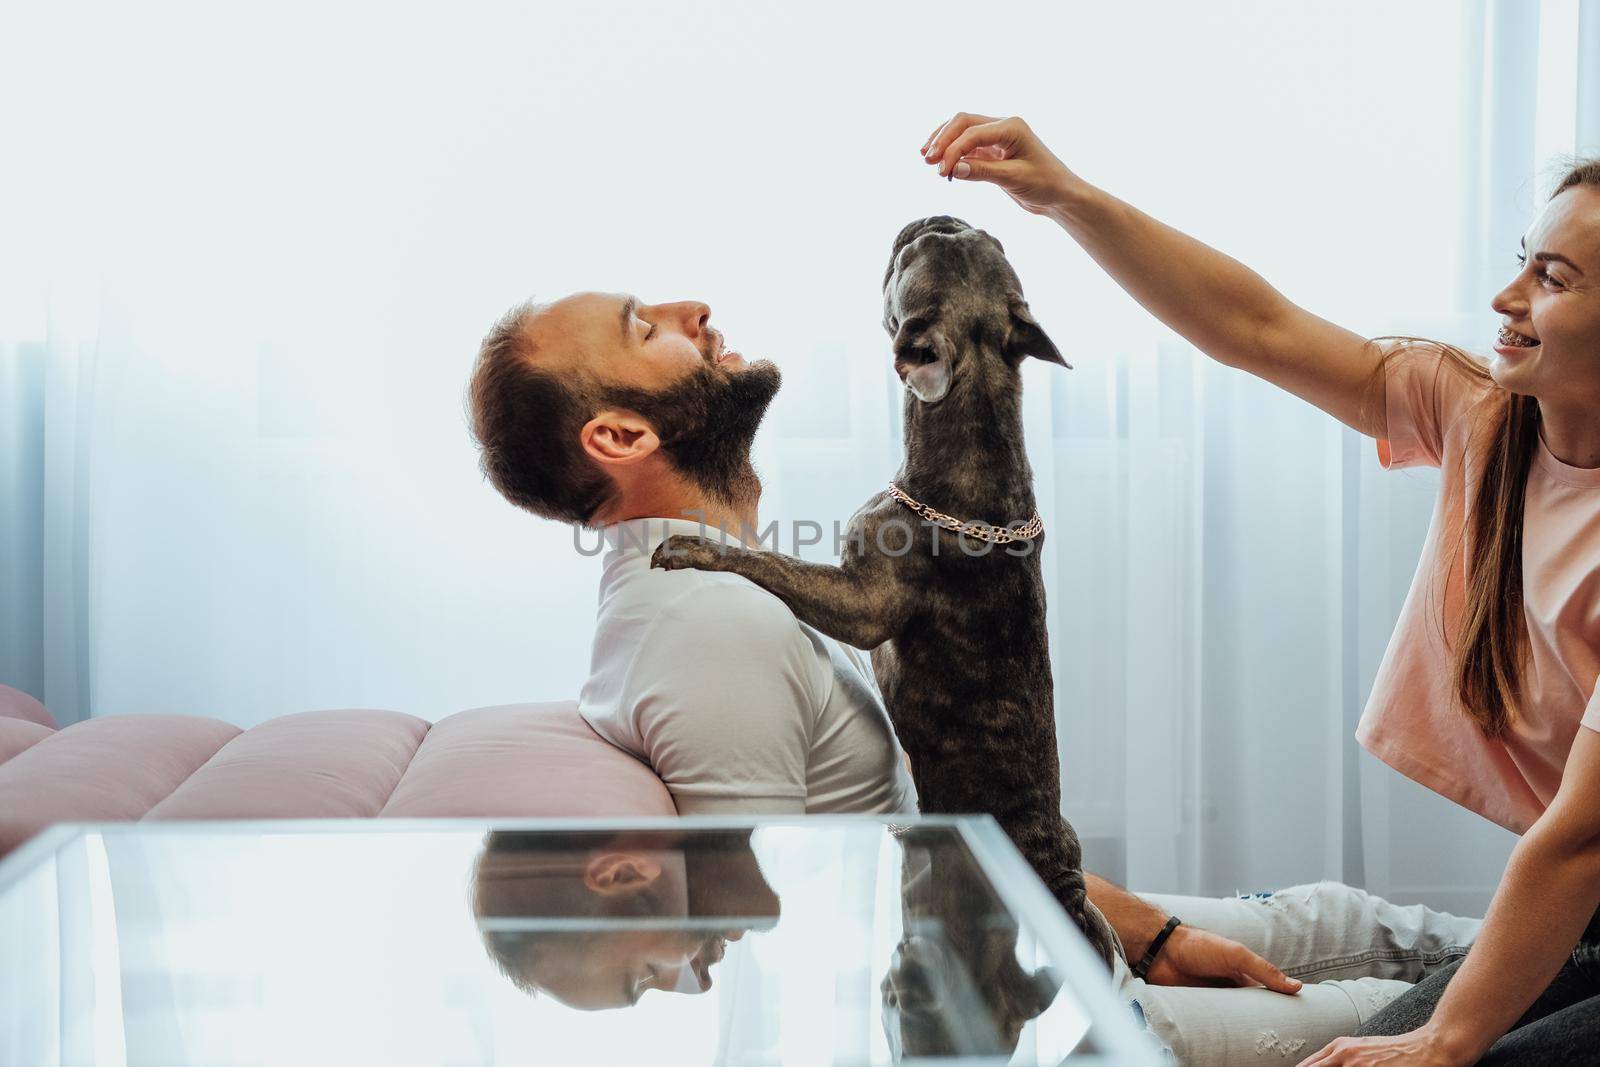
616,874
618,437
1028,337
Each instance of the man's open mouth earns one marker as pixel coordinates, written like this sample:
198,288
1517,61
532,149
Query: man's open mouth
721,353
1512,339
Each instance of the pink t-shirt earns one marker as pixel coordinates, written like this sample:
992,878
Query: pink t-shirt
1412,722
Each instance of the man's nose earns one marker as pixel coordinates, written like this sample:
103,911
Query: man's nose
691,316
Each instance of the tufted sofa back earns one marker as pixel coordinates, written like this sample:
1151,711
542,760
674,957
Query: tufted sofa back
512,760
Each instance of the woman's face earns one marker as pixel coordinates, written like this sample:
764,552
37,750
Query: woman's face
1549,343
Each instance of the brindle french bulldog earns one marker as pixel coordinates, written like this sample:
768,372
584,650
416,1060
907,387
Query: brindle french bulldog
952,609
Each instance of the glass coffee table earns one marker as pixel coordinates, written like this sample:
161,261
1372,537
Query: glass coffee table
834,939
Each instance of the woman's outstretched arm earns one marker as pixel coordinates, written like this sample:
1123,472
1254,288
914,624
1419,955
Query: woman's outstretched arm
1221,306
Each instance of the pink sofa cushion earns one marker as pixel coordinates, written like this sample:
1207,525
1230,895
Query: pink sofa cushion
514,760
524,760
19,734
15,704
315,764
109,769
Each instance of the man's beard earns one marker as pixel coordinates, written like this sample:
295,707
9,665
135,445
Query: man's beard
723,876
706,422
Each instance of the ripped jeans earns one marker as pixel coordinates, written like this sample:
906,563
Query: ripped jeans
1355,953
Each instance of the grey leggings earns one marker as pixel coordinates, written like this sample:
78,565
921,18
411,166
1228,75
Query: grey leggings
1562,1027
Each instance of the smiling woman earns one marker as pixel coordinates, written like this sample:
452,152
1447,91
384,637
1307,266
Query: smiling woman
1551,398
1522,639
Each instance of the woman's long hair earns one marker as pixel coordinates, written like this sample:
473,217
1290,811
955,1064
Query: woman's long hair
1490,648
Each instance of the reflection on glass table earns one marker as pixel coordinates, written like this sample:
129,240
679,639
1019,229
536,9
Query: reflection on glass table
846,940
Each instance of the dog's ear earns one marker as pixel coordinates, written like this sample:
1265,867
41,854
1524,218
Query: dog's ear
1028,337
924,364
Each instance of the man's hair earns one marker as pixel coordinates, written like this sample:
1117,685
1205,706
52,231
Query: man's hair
526,423
528,892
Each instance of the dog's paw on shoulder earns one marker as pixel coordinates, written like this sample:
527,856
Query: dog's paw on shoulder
682,551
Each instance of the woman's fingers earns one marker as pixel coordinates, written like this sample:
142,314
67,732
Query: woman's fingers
957,125
984,135
1004,152
1329,1055
927,146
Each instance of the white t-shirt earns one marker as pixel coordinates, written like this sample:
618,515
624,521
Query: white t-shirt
737,705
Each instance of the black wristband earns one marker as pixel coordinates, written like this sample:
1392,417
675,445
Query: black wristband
1142,968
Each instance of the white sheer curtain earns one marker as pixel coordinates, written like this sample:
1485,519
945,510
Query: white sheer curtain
254,253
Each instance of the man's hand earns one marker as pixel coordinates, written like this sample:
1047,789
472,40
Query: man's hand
1198,957
1191,956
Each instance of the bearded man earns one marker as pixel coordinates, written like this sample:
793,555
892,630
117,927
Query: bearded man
637,419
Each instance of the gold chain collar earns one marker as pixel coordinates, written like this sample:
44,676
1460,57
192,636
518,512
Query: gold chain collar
999,535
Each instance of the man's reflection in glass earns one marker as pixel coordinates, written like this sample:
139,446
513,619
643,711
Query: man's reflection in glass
595,919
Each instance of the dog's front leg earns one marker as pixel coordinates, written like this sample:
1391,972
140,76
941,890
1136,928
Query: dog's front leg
859,603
